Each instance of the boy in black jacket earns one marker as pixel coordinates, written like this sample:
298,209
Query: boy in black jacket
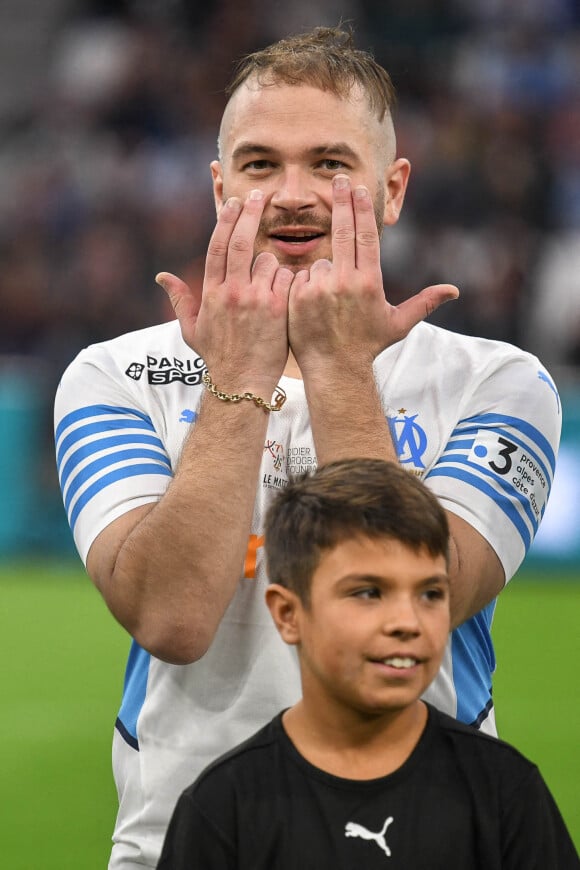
361,773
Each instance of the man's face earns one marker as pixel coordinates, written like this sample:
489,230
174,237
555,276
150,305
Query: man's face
373,635
290,141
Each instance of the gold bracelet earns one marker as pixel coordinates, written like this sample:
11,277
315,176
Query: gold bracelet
278,398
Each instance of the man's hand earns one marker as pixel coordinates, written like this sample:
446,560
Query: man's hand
239,326
338,309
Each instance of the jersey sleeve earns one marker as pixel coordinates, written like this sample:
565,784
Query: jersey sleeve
534,835
497,468
110,458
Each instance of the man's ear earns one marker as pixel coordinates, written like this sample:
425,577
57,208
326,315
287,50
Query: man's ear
285,607
218,184
396,179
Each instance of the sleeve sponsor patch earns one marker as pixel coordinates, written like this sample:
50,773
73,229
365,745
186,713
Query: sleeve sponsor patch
510,461
505,459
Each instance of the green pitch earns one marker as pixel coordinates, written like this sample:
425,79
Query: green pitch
536,635
63,661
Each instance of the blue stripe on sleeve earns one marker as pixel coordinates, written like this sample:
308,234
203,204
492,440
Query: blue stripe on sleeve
105,426
113,477
460,459
104,444
502,502
104,462
96,411
460,444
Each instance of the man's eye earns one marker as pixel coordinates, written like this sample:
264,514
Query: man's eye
257,165
333,165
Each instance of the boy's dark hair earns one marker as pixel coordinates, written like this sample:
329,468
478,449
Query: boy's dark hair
349,499
324,58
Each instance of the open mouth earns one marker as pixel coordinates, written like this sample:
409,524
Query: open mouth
296,238
400,662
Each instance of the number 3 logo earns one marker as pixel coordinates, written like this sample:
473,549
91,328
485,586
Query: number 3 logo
508,449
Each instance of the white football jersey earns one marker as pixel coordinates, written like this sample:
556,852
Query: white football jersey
479,421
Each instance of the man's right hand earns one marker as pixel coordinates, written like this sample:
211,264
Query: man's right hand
239,326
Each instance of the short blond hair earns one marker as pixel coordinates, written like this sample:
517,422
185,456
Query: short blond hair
323,58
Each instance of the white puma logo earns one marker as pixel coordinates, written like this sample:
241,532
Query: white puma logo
355,830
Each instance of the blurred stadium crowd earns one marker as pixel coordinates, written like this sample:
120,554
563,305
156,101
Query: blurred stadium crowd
104,174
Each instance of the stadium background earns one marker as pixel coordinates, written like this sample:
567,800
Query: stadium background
108,119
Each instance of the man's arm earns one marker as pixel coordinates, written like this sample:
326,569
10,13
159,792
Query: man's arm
339,321
168,571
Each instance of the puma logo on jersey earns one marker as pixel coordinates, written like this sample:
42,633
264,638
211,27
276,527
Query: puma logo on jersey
355,830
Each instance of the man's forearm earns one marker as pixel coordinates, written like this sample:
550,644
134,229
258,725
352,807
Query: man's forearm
178,568
347,416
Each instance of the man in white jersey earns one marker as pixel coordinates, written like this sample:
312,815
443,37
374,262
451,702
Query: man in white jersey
172,440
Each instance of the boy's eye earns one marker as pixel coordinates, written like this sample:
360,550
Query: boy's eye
437,593
367,592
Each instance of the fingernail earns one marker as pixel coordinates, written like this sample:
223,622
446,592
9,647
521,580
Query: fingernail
341,181
360,192
256,194
234,203
160,279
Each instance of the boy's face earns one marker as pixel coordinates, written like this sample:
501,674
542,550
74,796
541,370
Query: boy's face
374,633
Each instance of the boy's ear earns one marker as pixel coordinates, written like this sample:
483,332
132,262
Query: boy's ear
284,605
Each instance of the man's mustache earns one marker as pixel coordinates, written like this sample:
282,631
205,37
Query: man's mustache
287,221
